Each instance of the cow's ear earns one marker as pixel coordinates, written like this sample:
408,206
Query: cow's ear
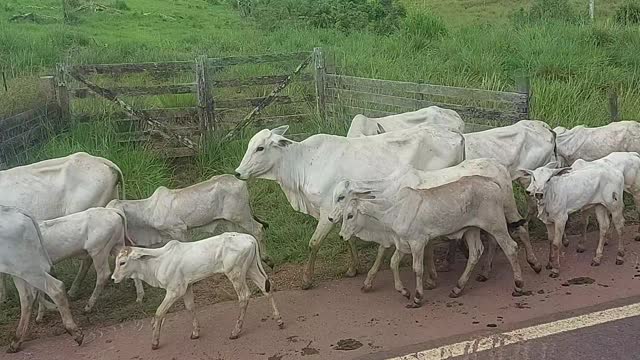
523,173
284,142
552,164
139,256
367,195
281,130
381,129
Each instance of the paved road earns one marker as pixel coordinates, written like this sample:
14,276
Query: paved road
376,325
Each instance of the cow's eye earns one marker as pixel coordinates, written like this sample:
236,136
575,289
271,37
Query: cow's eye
260,148
350,216
122,263
341,197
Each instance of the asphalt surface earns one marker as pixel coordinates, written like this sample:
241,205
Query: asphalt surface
336,321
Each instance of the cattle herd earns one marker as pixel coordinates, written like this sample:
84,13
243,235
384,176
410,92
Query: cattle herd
404,181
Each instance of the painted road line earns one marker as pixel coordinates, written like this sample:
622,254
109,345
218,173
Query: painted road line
525,334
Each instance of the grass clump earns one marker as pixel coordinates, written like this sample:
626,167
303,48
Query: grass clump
628,13
121,5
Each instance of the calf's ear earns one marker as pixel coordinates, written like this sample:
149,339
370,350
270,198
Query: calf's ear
280,130
552,164
523,173
367,195
564,170
381,129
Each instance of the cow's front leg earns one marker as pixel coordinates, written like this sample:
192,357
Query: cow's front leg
395,269
368,282
602,215
472,238
417,251
583,239
355,263
170,297
323,228
555,247
550,235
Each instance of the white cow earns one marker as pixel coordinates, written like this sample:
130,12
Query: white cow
560,192
95,232
414,217
433,115
169,214
308,171
409,177
57,187
594,143
629,164
24,258
177,265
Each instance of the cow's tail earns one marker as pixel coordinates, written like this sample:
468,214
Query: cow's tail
514,225
258,260
464,147
115,167
127,239
555,146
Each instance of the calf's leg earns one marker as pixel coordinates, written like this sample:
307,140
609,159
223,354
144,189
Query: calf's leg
189,304
558,234
417,252
395,269
617,216
523,235
583,239
240,285
432,273
27,295
323,228
602,215
103,271
368,282
264,284
472,238
169,298
85,264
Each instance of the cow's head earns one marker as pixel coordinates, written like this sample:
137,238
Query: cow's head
351,213
263,152
539,177
338,200
127,263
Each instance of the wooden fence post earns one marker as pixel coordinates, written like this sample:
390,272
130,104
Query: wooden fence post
48,86
62,93
205,103
523,84
319,66
613,105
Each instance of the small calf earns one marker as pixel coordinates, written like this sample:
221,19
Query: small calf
95,233
177,265
560,192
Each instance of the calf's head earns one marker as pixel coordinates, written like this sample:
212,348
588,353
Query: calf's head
127,263
539,178
263,153
351,213
338,200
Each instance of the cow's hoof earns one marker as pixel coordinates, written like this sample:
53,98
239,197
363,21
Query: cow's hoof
548,267
351,273
517,293
234,336
404,292
280,324
580,250
13,348
455,292
366,288
554,274
637,238
481,278
595,262
413,305
619,261
565,243
537,268
195,336
606,243
155,346
429,285
78,337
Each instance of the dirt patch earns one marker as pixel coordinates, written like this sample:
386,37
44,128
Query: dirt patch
308,350
582,280
348,344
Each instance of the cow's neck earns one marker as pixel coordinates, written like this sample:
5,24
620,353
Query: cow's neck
147,272
291,174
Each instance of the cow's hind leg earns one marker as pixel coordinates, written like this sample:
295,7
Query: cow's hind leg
27,295
354,264
417,252
190,305
510,249
323,228
523,235
602,215
586,216
240,285
558,227
55,289
43,305
264,284
617,216
395,269
368,282
472,238
101,263
85,264
432,273
487,262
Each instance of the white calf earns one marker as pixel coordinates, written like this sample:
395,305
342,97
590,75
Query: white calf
176,266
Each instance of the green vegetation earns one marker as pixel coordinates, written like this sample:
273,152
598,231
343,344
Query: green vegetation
573,63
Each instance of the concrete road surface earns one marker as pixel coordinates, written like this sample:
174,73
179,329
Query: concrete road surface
336,321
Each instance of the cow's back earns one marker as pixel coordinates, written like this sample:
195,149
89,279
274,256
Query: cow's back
58,187
22,254
591,144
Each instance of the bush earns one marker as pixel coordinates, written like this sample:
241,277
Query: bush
121,5
628,13
422,28
545,10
